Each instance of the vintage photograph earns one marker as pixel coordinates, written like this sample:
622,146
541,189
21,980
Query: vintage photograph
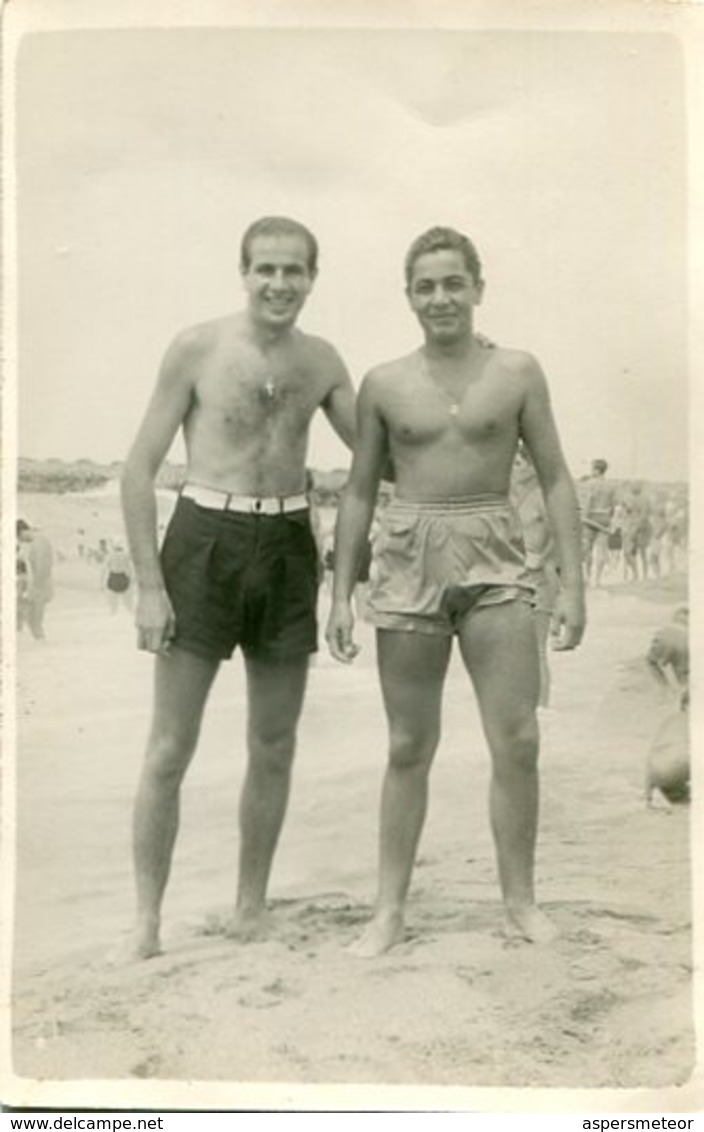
348,627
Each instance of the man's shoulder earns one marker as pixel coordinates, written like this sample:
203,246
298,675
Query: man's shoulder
316,348
200,337
519,363
321,360
387,373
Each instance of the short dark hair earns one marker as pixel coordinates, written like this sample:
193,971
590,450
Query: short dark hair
599,466
22,526
440,240
278,226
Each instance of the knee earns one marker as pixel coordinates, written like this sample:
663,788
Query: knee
168,755
515,744
412,752
271,746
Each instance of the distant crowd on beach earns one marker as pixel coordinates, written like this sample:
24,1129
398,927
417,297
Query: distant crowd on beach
35,561
631,530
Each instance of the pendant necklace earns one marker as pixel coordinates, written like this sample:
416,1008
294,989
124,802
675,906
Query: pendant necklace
454,404
268,392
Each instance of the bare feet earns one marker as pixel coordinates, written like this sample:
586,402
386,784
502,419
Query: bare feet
384,932
529,923
142,944
247,925
244,926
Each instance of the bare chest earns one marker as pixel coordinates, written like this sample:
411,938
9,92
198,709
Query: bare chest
249,399
478,415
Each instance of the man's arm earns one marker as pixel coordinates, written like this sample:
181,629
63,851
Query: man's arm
539,432
355,517
339,402
167,409
340,408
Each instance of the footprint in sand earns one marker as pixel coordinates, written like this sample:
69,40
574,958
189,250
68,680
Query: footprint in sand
264,998
638,919
148,1067
592,1005
338,907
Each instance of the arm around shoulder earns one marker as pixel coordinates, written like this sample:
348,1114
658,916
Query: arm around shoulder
338,403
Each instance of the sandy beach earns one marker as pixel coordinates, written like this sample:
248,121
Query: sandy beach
609,1005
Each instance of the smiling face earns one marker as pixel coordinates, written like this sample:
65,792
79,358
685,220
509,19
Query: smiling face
443,293
278,279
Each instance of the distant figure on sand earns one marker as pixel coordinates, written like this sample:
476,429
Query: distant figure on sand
117,577
637,531
541,561
675,537
615,537
450,561
597,505
37,552
239,563
23,582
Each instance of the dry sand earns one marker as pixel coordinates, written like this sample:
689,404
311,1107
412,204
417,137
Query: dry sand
608,1005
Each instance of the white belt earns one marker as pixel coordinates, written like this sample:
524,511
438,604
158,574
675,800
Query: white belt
245,504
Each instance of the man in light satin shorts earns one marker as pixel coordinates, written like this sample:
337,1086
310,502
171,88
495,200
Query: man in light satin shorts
438,561
451,563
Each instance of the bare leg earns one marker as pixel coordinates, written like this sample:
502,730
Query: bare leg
35,618
601,555
181,685
499,649
275,693
412,669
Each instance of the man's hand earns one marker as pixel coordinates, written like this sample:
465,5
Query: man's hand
156,623
569,619
339,633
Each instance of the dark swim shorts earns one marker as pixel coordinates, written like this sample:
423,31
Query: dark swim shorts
241,579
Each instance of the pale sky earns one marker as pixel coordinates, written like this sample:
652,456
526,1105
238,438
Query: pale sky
142,156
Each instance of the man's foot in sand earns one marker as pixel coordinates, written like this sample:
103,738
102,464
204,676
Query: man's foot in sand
245,926
530,924
384,932
142,944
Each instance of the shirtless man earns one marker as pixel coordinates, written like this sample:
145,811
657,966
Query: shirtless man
39,554
597,510
637,529
238,565
450,561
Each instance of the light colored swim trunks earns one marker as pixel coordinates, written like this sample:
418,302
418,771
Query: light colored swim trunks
435,562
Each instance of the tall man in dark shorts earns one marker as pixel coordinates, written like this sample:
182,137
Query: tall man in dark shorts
238,566
451,562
